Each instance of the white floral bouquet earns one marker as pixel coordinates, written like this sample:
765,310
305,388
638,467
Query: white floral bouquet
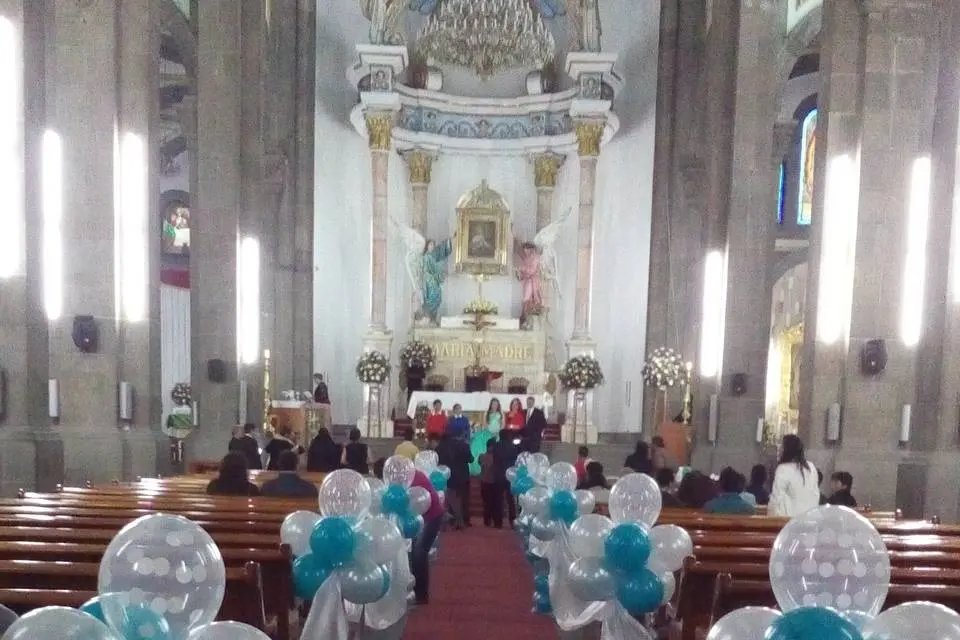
417,354
180,394
665,368
581,372
481,307
373,368
296,396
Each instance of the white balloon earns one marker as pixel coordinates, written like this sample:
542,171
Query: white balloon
561,476
376,494
588,534
523,458
748,623
586,501
227,631
426,461
296,529
635,497
344,492
537,501
445,470
914,621
511,474
669,547
399,470
419,500
377,539
669,582
537,466
830,557
61,623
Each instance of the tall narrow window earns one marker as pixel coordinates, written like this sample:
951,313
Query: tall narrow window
781,191
808,150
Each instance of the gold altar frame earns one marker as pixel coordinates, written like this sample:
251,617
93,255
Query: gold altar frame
483,221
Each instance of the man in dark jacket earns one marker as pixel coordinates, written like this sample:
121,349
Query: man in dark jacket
247,445
288,484
455,453
505,455
536,422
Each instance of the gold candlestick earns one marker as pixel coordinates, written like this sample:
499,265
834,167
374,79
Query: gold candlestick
266,390
687,413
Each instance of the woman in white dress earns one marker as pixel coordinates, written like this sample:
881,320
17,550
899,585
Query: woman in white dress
795,488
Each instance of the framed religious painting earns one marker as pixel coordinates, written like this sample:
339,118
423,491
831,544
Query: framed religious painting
483,225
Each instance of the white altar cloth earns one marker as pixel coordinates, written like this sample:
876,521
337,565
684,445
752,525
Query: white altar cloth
479,401
459,322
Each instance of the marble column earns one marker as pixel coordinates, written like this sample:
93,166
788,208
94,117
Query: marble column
419,165
589,133
546,166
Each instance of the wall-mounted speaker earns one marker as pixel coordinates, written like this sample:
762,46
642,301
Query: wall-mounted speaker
217,371
873,357
86,334
738,384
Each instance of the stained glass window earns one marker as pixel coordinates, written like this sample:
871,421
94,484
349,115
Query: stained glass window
808,150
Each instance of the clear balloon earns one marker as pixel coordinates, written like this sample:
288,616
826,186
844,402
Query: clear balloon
859,619
523,458
168,564
445,470
511,474
669,547
8,617
586,501
635,498
669,582
399,470
344,492
377,487
296,529
561,476
914,621
830,557
364,582
61,623
748,623
590,580
227,631
537,466
537,501
426,461
377,539
587,535
544,529
419,500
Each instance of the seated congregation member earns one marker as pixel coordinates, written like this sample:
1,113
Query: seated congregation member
823,498
795,488
696,489
660,457
287,483
354,455
232,478
729,501
841,482
758,484
583,458
748,497
246,443
639,461
667,479
281,441
323,456
596,483
491,492
455,454
459,425
437,420
406,448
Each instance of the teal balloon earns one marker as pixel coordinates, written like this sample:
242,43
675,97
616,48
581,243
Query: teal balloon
309,573
641,592
541,583
333,540
395,500
94,608
139,622
564,506
627,547
521,484
531,557
812,623
438,480
541,604
410,525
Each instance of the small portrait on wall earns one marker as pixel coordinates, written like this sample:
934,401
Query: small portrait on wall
483,222
483,239
175,224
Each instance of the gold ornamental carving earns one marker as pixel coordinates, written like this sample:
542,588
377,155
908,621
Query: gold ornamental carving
379,131
419,163
545,169
588,138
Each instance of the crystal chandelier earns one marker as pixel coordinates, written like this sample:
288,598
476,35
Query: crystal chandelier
486,36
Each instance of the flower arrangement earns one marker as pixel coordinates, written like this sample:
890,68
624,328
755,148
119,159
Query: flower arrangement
420,419
581,372
417,354
373,368
665,368
481,307
180,394
296,396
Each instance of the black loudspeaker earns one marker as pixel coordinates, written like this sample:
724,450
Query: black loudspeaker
738,384
217,371
86,334
873,357
474,384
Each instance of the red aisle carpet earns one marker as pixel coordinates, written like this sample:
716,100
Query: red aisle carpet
481,587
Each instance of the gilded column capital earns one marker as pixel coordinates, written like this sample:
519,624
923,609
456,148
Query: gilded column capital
379,130
545,169
420,164
589,134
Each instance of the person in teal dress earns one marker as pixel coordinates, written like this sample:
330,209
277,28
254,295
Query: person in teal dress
433,271
478,443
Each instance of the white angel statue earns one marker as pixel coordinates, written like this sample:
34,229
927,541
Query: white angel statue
426,263
536,262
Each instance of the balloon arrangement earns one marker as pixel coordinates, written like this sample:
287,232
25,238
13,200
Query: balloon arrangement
830,573
161,577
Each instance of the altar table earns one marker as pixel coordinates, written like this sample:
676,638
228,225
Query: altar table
477,402
495,322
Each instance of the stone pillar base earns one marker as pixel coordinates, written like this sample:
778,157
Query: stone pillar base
369,430
571,435
382,341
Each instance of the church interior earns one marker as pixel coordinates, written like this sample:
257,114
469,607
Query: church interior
694,231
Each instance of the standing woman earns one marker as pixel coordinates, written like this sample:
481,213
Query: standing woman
281,441
516,416
354,455
795,487
323,454
478,443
